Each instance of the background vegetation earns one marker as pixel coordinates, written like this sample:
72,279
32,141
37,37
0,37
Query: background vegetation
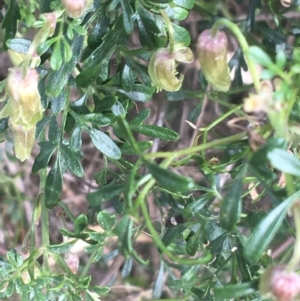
143,184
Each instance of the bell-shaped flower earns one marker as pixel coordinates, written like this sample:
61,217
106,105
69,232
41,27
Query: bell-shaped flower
212,55
162,67
23,108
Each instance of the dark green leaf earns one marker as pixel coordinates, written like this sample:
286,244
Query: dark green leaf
118,109
105,220
193,243
72,161
53,185
156,132
139,92
56,57
95,63
76,140
42,159
264,232
80,223
100,29
58,103
104,143
10,21
127,13
58,79
54,132
97,118
231,205
3,124
148,27
140,117
127,78
105,103
170,180
128,149
105,193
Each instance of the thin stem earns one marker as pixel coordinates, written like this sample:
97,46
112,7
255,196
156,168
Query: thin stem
244,46
156,239
67,211
170,31
198,148
88,264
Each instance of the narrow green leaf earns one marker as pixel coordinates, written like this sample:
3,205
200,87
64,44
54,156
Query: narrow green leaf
58,103
128,149
105,144
105,220
140,117
76,140
155,132
139,92
256,54
284,161
127,13
80,223
264,232
159,282
235,291
170,180
58,79
42,159
97,118
231,205
10,21
62,248
56,57
53,185
105,193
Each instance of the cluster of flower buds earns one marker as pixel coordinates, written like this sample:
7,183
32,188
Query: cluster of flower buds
23,108
212,54
76,8
162,67
279,284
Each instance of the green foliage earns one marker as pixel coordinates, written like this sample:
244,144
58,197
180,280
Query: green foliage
214,227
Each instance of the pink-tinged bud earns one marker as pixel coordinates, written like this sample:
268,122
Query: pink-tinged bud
279,284
72,262
76,8
51,20
24,95
212,54
162,67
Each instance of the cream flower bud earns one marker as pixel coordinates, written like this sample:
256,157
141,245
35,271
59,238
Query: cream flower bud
24,109
212,54
23,141
162,67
